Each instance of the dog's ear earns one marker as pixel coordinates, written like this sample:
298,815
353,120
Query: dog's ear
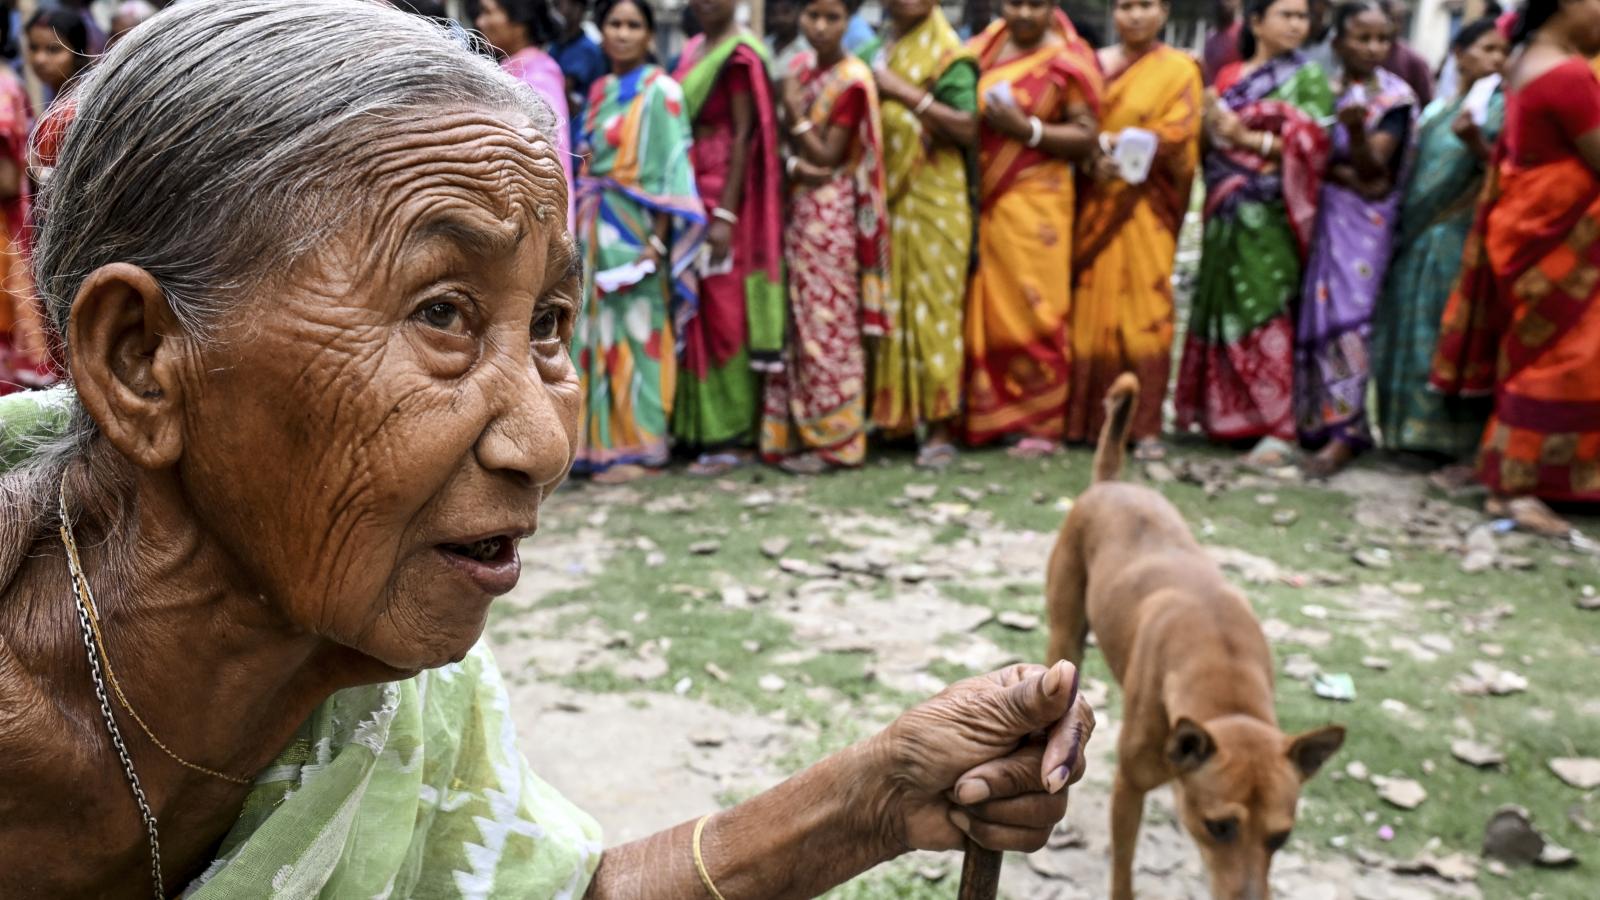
1189,745
1309,750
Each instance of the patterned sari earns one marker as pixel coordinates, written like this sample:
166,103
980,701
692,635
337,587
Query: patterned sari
916,367
738,330
638,140
1343,276
1434,220
1234,381
837,240
1021,292
1127,237
1523,325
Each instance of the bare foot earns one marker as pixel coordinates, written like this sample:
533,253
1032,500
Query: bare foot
1329,460
1033,448
935,455
1530,514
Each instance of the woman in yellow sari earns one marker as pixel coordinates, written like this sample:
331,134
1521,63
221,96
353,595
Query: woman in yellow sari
1038,93
928,83
1128,233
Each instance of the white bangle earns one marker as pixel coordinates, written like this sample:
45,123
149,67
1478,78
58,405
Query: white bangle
1266,144
790,164
1038,131
658,245
1105,144
730,217
802,128
924,103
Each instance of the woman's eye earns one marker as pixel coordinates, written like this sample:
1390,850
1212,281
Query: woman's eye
441,315
547,326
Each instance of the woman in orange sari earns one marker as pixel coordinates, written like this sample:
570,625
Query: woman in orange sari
1128,233
1038,91
1524,321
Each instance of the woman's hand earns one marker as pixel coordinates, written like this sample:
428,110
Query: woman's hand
1007,119
1104,169
1354,118
893,87
808,173
988,758
1227,126
719,237
793,104
1466,129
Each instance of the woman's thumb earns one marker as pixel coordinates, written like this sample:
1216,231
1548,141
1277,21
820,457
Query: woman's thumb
1036,703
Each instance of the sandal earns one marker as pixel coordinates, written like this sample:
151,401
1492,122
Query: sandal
1150,450
712,465
1033,448
803,464
936,455
1269,453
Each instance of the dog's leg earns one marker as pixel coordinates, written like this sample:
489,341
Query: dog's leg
1127,812
1066,594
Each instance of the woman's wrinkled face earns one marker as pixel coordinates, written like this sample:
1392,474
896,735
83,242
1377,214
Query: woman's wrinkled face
1365,43
498,29
823,22
1139,22
1282,27
1483,57
1028,20
373,439
625,36
50,58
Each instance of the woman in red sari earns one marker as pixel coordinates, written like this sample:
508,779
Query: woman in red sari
1524,321
738,331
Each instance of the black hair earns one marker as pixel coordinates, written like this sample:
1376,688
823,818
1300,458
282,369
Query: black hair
535,18
851,7
428,9
1247,36
1470,33
68,26
645,10
1344,12
1532,18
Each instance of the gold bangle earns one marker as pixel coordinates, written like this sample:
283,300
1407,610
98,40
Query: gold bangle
700,861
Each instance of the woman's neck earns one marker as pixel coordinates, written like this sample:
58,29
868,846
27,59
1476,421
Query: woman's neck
827,59
1132,51
623,68
903,27
1264,56
721,31
516,45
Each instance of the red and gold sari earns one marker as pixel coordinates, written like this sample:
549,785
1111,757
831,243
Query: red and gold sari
1017,308
1127,237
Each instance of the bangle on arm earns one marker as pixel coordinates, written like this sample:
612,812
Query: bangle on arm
1038,131
790,164
658,245
924,103
805,126
700,861
725,215
1266,144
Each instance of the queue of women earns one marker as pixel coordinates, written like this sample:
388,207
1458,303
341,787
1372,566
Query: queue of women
935,240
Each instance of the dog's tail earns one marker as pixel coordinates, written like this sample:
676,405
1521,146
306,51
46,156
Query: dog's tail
1120,400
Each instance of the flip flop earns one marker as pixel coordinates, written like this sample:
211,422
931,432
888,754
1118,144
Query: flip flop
711,465
935,456
803,464
1269,453
1033,448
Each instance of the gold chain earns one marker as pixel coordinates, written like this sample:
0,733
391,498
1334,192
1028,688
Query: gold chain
80,587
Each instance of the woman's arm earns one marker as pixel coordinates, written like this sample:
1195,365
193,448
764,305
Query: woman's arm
957,126
720,233
1073,140
1371,152
824,146
946,770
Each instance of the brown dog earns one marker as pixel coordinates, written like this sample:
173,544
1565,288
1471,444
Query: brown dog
1195,671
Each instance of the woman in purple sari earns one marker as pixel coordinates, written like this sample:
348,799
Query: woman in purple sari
1355,231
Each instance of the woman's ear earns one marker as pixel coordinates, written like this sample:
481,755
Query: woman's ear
125,351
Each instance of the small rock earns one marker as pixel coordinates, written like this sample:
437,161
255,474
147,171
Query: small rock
971,495
715,671
1488,679
1377,663
655,559
910,573
1300,667
803,568
1493,651
1438,643
1454,867
771,683
1555,856
1357,770
1067,836
1267,499
1021,621
774,548
683,686
751,647
1159,472
1582,773
1283,518
921,492
758,499
705,548
1373,558
1588,599
708,738
1475,754
971,467
932,873
1510,837
1408,588
1402,792
1477,561
735,596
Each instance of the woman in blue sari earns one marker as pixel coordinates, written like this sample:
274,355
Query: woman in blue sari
1452,152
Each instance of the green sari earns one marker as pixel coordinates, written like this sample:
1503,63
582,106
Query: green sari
412,788
1437,214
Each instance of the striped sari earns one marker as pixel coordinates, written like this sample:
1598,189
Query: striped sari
837,241
1021,292
638,167
1127,237
1434,220
1234,381
916,367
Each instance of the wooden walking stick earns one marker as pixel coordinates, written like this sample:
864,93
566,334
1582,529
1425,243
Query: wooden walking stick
980,873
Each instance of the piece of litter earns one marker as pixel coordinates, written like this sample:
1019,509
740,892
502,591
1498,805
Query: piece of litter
1334,686
1386,833
683,686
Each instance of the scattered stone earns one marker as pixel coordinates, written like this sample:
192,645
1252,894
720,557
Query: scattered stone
1453,867
1515,563
1300,667
1357,770
1314,611
1373,558
735,597
684,685
715,671
751,647
1159,472
971,495
771,683
1438,643
774,548
1283,518
910,573
1475,754
1039,498
1267,499
1021,621
1511,838
933,874
921,492
1408,588
1588,598
1582,773
1067,836
1488,679
1493,651
758,499
705,548
971,467
708,738
1555,856
655,559
1404,793
1377,663
803,568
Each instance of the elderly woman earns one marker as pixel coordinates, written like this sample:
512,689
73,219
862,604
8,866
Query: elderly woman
316,296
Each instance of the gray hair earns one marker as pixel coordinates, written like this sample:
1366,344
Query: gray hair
213,146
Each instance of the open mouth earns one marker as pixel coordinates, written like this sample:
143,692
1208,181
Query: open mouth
488,550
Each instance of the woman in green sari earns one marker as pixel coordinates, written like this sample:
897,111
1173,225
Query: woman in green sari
1452,154
636,206
1263,170
928,81
310,268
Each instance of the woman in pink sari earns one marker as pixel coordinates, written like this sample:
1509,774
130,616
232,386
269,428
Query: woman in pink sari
519,30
